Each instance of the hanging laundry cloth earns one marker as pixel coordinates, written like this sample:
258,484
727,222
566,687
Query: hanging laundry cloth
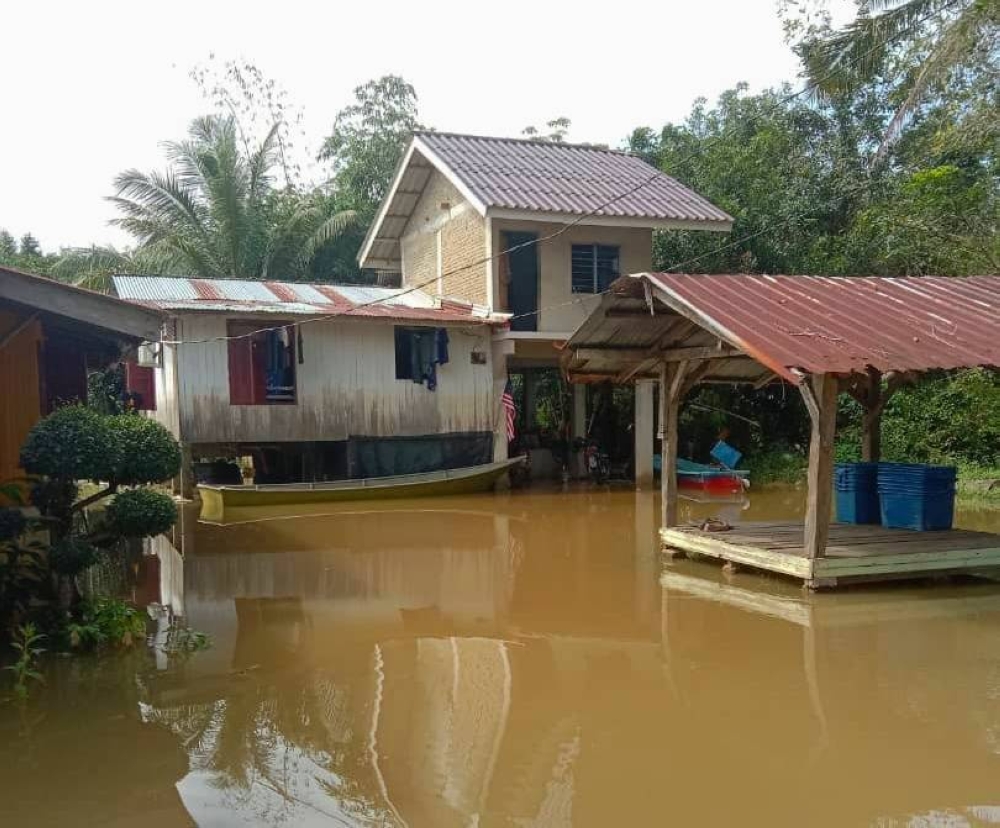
441,338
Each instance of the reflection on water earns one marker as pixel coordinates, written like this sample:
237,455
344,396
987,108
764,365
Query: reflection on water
520,660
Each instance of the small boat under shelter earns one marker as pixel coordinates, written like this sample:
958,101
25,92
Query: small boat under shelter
820,336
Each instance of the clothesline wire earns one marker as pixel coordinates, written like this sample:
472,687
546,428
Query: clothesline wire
538,240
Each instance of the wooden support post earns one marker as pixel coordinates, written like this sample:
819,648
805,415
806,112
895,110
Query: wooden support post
671,375
871,418
821,400
185,477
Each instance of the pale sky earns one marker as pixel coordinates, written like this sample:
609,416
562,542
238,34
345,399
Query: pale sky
92,88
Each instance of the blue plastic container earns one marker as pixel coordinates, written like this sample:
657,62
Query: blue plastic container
916,496
857,493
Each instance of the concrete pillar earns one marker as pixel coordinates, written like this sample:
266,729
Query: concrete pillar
643,433
500,352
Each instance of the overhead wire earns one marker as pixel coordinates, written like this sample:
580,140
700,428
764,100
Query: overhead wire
539,240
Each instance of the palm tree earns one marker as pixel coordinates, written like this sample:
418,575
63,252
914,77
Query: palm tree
954,31
213,213
92,267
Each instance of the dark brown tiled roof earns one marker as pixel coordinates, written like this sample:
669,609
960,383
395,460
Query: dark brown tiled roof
573,179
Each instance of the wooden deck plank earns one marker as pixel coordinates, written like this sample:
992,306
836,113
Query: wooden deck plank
855,551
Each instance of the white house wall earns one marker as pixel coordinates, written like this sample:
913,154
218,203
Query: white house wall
561,310
346,386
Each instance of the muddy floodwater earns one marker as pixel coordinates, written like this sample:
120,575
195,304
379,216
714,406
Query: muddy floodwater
524,659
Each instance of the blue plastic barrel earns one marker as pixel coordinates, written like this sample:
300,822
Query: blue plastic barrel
916,496
857,493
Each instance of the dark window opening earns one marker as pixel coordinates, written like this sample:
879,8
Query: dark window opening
594,267
418,350
261,364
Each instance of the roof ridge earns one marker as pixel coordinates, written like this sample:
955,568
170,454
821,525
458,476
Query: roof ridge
263,282
526,140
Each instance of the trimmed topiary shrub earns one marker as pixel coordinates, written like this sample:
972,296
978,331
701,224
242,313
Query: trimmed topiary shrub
139,513
71,555
73,443
149,454
12,524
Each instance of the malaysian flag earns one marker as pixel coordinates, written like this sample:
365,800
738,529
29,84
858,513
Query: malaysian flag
509,409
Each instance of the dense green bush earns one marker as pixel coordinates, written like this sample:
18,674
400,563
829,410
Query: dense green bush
148,453
138,513
71,555
945,418
72,443
12,524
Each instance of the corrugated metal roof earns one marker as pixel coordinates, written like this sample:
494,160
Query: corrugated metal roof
812,324
522,174
172,293
87,306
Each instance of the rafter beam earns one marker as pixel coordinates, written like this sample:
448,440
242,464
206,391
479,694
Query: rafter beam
670,355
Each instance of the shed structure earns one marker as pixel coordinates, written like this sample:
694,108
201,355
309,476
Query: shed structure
863,336
51,335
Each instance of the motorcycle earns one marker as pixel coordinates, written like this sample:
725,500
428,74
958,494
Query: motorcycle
597,462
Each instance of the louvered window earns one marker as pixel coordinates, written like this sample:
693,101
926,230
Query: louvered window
595,267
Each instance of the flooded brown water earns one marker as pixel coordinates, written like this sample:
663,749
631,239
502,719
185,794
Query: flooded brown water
518,660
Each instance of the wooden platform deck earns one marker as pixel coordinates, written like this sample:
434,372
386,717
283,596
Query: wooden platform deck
853,554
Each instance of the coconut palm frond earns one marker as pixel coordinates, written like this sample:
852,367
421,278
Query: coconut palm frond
93,267
161,194
858,52
216,211
261,162
330,229
955,42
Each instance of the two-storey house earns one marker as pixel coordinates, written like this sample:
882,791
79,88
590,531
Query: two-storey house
530,228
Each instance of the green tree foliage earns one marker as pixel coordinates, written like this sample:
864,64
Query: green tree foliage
215,213
798,181
947,418
364,148
368,139
25,254
918,45
555,130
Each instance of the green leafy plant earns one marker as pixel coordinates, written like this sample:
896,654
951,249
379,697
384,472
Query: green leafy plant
106,622
22,568
25,644
184,641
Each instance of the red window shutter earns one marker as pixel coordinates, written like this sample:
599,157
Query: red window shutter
140,381
241,379
258,349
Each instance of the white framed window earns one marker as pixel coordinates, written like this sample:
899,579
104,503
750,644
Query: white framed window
594,267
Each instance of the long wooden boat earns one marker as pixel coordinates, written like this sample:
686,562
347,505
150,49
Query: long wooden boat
216,499
711,479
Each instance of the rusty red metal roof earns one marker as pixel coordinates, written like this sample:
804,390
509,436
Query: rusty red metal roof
813,324
170,293
545,176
